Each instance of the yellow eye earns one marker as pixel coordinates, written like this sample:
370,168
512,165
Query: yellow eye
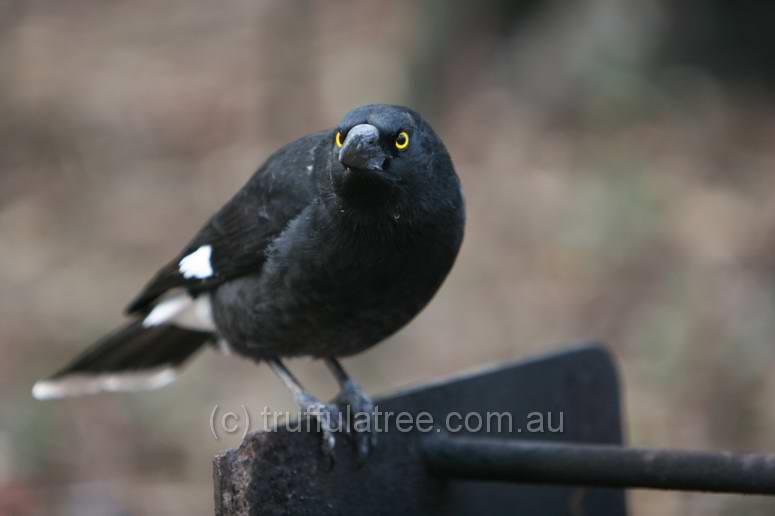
339,139
402,140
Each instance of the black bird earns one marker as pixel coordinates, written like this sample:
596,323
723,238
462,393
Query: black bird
336,242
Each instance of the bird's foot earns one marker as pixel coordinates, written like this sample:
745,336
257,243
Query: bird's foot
328,418
362,424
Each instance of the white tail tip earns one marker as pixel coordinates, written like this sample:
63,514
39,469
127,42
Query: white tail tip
79,384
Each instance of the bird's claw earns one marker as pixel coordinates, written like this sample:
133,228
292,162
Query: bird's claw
327,416
363,418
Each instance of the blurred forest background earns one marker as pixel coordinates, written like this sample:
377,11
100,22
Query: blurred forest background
617,158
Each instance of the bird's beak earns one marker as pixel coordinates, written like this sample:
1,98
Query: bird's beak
361,149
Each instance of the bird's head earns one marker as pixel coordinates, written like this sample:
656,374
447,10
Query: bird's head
388,155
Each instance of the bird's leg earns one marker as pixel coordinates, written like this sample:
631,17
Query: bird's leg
325,413
364,417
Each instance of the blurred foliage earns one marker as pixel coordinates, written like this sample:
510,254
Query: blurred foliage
617,159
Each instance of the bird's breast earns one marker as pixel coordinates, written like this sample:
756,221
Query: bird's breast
332,288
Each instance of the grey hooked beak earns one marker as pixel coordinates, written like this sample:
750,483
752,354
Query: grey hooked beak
361,149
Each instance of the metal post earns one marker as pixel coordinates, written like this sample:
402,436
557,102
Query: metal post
597,465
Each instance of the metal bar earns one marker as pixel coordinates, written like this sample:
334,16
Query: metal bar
597,465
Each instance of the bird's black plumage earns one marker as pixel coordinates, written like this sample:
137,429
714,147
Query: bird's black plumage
240,232
364,254
337,241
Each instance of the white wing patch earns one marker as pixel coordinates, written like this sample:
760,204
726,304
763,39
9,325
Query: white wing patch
197,264
80,384
183,311
198,315
166,310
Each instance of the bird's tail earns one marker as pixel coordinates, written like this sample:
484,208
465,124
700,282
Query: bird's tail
133,357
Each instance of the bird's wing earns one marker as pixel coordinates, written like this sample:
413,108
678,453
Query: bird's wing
234,240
